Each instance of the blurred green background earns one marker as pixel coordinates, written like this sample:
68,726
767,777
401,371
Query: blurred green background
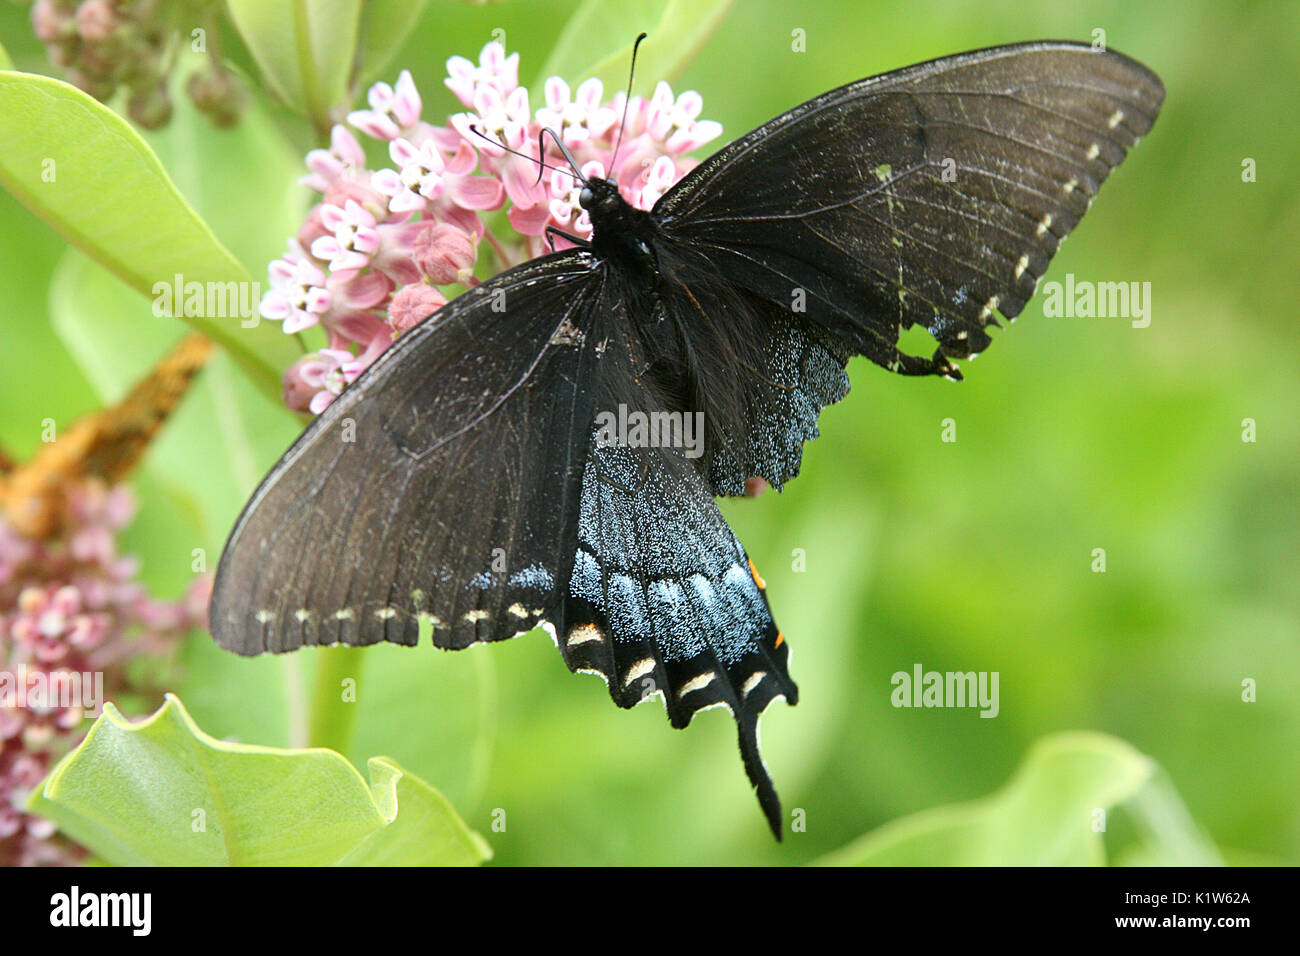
1072,434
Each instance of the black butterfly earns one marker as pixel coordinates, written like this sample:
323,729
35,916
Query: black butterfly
461,478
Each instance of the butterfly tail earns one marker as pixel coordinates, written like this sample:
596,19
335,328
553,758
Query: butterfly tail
756,770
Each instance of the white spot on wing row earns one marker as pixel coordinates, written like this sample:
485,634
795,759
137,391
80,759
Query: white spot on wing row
642,667
696,683
584,634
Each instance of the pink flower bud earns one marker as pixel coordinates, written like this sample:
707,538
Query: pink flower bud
297,392
312,228
445,254
412,305
50,22
96,20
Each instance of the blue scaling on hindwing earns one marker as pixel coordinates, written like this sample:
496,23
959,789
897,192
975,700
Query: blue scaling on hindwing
663,600
657,559
805,372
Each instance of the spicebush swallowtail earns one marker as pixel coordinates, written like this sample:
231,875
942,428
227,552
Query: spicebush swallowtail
933,195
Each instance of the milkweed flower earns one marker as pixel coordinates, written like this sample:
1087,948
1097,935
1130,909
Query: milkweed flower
385,248
71,614
392,109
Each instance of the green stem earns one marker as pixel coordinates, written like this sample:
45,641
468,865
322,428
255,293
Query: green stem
333,718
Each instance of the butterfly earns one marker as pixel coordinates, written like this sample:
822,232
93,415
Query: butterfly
463,479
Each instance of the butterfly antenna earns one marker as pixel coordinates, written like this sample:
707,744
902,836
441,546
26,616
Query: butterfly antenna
514,152
627,101
568,156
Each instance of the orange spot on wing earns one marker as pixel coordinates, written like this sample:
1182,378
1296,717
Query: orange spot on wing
762,585
780,639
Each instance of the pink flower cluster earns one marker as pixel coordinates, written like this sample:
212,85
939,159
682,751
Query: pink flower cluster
111,45
69,606
386,248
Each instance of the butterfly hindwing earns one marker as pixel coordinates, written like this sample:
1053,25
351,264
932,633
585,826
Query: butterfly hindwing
934,195
443,483
802,370
664,600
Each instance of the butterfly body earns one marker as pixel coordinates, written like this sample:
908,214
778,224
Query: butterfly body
471,478
621,233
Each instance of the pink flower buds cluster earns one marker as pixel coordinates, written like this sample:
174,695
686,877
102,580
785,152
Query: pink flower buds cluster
71,615
110,44
385,249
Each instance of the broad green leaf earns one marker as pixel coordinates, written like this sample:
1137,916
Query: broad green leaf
424,828
597,40
1045,815
89,175
305,50
385,25
162,792
118,339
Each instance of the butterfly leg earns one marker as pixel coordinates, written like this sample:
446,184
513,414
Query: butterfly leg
552,232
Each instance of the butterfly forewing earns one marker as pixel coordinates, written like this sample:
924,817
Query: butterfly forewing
934,195
443,483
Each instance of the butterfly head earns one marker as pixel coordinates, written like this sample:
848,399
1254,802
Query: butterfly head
599,196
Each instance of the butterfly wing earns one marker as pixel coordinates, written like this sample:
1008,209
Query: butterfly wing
932,195
664,600
443,483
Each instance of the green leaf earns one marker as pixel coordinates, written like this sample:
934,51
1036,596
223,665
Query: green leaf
385,25
1045,816
89,175
304,50
427,831
5,62
676,29
162,792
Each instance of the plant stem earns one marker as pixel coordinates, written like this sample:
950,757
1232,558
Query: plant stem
333,716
